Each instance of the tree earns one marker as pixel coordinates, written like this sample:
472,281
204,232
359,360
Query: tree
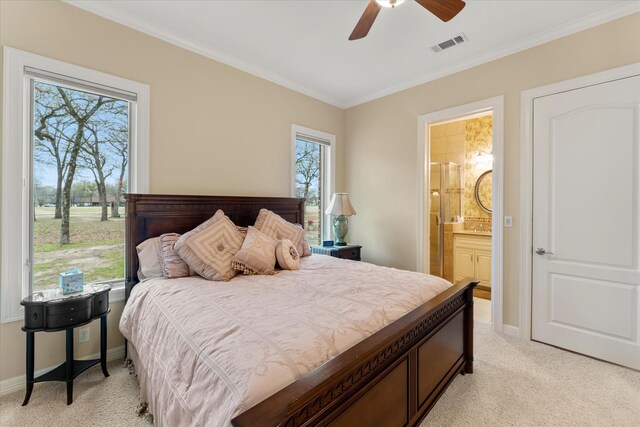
81,106
118,142
93,159
42,194
83,191
105,149
51,144
307,168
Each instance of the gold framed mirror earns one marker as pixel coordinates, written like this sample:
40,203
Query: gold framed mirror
483,191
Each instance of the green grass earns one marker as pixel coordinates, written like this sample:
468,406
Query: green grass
113,267
96,248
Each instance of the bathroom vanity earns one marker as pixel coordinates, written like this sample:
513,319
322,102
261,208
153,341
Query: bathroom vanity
472,257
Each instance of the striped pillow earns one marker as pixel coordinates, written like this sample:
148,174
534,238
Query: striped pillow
210,250
172,265
257,255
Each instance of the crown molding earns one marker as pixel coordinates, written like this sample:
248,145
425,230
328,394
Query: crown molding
589,21
102,9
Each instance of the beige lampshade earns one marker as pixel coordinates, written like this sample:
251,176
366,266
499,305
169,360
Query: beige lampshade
340,205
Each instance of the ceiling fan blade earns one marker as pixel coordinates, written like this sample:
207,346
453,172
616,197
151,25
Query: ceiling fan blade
443,9
366,21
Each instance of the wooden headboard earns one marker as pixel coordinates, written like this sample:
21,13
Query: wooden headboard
150,215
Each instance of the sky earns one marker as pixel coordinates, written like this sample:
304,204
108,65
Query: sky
46,172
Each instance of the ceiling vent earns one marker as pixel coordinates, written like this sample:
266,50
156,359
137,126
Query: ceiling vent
459,39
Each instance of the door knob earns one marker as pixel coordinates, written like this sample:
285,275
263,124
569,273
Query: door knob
542,251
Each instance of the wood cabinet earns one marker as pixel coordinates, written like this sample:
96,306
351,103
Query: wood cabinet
472,258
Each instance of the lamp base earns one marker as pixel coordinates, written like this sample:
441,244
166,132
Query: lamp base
340,229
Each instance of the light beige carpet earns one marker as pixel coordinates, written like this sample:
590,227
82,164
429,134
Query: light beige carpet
97,401
525,383
515,383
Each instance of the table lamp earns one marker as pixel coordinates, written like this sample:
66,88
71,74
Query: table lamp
340,207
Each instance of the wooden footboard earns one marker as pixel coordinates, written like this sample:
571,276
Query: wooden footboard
392,378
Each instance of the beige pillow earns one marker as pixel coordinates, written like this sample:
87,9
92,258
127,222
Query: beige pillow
173,266
257,255
287,255
273,225
181,241
209,251
306,250
149,259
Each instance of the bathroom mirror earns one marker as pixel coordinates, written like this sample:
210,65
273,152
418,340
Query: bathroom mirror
483,191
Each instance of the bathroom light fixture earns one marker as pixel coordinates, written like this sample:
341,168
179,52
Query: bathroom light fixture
389,3
483,157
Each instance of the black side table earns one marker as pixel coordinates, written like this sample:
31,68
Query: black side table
351,252
44,314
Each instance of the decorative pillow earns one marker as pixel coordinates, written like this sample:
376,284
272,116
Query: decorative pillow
173,266
273,225
181,241
306,250
209,251
149,259
287,255
257,255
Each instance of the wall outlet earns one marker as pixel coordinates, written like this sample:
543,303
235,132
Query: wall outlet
83,335
508,221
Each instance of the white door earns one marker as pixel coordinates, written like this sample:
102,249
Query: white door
586,231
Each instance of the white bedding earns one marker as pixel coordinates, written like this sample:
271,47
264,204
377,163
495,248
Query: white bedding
207,351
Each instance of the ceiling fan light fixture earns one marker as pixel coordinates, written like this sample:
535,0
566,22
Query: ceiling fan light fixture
389,3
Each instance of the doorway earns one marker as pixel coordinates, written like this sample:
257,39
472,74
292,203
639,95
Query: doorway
460,192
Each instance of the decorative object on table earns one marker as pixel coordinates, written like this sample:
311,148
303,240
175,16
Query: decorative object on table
327,243
340,207
351,252
50,312
71,281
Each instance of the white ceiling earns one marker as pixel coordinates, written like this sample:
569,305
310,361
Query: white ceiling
304,45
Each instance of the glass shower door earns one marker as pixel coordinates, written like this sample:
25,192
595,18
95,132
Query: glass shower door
435,221
446,200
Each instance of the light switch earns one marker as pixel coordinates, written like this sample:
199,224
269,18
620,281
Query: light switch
508,221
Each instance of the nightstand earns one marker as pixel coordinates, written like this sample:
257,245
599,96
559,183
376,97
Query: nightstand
51,311
351,252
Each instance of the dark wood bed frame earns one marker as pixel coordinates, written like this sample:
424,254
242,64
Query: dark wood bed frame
392,378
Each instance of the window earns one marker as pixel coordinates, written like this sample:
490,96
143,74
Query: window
79,168
75,143
313,178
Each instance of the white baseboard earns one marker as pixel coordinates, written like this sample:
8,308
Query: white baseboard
18,383
510,330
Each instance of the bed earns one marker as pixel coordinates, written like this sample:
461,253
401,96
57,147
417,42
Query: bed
392,377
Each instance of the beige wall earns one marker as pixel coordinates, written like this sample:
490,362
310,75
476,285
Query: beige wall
214,129
381,137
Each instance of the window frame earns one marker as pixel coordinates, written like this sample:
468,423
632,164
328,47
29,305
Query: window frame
16,163
328,174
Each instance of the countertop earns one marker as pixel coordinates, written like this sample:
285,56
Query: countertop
474,233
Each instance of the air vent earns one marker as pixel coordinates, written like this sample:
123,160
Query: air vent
460,38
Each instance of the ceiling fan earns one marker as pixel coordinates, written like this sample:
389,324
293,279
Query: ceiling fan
443,9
